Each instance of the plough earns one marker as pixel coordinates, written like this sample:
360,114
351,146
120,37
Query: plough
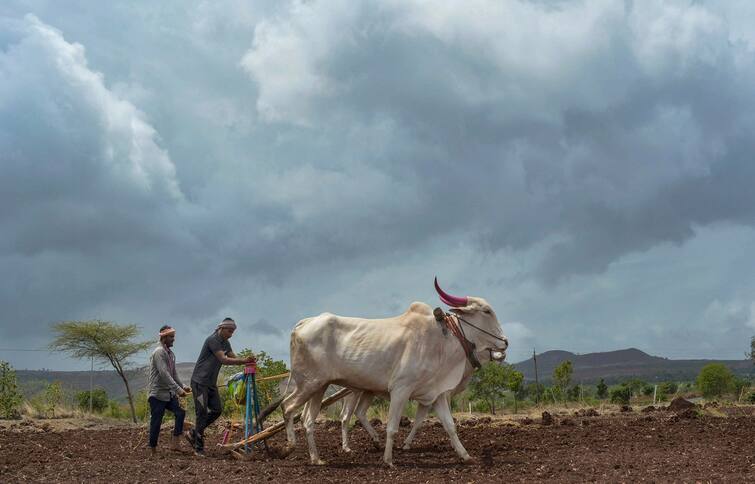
253,431
274,429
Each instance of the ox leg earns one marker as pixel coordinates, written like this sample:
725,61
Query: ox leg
349,404
395,410
419,419
443,411
309,424
289,406
361,412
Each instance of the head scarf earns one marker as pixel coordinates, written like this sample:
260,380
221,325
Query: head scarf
227,324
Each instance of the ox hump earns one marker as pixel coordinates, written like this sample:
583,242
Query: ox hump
420,308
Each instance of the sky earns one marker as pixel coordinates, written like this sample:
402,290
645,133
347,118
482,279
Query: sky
585,166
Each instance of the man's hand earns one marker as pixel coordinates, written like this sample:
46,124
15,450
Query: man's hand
187,390
181,392
250,359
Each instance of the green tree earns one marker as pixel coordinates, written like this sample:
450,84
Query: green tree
562,376
10,397
516,385
104,341
714,380
489,383
602,389
267,391
99,400
751,354
534,390
53,397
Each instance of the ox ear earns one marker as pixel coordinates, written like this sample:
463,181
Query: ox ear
462,310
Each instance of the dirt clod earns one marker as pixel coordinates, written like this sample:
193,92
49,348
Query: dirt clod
679,404
547,418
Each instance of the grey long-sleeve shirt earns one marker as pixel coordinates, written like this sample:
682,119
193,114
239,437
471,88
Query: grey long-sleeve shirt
163,383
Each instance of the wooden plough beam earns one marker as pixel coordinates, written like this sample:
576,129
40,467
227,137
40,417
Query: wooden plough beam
270,431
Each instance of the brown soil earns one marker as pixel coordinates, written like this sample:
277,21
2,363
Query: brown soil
626,447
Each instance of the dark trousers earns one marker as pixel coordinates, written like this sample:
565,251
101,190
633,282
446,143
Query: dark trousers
157,410
208,407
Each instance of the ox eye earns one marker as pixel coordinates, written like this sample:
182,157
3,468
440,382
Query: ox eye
486,310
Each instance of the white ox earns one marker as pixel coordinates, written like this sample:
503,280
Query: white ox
406,357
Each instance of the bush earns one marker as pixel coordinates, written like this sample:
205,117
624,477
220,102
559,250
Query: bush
10,397
621,395
99,400
116,410
668,388
714,380
750,398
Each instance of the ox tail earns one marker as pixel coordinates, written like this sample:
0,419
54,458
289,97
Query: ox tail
276,403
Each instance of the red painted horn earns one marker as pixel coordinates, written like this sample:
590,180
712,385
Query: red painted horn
453,301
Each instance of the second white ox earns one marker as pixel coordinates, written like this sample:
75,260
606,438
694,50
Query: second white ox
406,357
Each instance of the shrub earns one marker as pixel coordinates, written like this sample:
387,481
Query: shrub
602,390
621,395
53,397
668,388
99,400
10,397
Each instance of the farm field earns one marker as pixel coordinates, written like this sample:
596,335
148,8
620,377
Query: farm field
661,445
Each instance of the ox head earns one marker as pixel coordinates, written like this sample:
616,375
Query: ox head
480,324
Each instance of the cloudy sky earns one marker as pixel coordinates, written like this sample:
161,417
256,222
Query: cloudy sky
586,166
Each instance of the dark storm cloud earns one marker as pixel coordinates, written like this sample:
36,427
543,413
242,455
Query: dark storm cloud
611,136
212,158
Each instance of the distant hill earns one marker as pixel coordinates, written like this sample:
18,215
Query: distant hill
620,365
613,366
34,381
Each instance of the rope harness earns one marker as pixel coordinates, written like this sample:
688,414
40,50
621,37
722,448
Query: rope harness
448,323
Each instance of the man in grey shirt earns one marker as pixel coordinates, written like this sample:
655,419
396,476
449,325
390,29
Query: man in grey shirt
164,389
216,352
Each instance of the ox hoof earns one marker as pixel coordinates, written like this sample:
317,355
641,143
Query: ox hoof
389,465
286,451
318,462
346,449
407,446
467,460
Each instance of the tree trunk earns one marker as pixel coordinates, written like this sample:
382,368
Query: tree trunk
492,407
119,370
515,406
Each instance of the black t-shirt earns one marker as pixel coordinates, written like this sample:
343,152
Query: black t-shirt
208,366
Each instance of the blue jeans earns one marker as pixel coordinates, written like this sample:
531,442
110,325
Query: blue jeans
157,409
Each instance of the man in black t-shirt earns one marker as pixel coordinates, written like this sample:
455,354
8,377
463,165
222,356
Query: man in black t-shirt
216,352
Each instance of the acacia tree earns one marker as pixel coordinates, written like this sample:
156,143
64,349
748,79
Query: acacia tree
104,341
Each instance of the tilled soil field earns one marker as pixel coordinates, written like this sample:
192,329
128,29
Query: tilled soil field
657,446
